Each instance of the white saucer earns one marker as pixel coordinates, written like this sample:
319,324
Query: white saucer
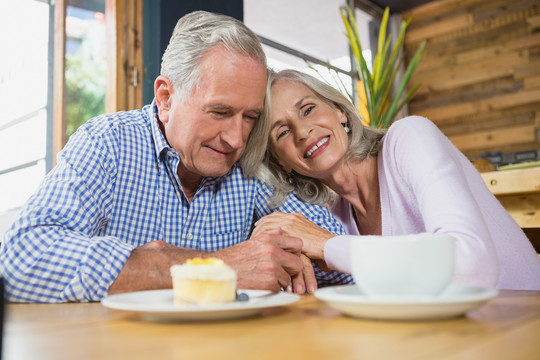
159,305
455,301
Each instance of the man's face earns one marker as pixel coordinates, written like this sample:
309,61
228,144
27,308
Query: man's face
210,129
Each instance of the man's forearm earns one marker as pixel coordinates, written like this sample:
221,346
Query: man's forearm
148,267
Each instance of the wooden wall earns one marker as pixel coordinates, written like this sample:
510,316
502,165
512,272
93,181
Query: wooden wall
481,72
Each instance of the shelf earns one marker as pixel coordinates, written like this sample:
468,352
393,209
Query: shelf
513,182
519,192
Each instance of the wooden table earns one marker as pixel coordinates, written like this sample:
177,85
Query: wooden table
508,327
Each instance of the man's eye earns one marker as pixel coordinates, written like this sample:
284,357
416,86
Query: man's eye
253,117
308,110
282,133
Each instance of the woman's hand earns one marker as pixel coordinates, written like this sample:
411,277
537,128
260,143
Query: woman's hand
313,237
304,281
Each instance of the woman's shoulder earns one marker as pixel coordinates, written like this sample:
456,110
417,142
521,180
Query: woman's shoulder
411,124
412,129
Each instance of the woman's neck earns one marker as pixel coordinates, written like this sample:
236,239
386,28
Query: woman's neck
358,183
356,178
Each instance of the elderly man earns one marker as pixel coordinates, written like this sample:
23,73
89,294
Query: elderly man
136,192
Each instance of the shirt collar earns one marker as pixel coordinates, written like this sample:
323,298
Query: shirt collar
160,144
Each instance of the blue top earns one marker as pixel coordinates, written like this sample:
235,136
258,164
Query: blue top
115,188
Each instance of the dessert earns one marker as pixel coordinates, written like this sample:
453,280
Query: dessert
203,281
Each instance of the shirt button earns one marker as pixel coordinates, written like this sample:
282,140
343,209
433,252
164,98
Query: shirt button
189,236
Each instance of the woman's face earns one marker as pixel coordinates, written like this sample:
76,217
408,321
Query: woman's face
306,134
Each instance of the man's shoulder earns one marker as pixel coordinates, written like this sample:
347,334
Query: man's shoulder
114,122
236,175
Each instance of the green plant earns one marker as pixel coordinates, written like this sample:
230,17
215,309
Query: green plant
377,105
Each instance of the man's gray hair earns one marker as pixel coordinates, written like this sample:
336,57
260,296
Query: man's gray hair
194,35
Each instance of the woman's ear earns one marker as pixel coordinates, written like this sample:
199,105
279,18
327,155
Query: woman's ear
285,167
282,165
341,116
163,92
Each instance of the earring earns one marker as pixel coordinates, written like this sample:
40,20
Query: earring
346,127
290,178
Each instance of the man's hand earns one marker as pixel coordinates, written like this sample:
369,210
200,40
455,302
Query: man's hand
265,261
313,237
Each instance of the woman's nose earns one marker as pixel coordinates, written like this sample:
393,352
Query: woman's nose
302,131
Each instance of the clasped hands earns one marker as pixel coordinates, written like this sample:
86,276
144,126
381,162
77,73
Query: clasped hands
277,256
301,238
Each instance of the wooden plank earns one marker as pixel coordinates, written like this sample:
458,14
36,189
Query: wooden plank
512,182
522,98
532,82
129,48
523,71
473,92
473,72
490,32
433,10
438,28
59,80
495,137
480,80
524,209
523,42
471,107
435,60
501,8
114,76
124,50
475,37
493,120
534,22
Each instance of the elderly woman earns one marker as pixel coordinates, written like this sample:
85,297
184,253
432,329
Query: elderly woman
408,180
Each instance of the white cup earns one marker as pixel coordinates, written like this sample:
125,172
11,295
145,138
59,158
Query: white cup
407,265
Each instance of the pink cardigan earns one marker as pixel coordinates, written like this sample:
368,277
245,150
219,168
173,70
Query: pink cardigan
428,185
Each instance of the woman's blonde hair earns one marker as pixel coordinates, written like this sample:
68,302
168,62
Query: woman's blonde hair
363,143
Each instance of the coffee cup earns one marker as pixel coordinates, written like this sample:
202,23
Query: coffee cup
403,266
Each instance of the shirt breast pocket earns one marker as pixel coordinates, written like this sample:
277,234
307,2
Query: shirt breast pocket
222,240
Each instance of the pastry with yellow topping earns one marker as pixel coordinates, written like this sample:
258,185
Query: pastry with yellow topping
203,281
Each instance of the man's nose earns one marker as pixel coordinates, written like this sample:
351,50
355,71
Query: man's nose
233,132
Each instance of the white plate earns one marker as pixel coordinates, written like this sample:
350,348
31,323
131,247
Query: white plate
455,301
159,305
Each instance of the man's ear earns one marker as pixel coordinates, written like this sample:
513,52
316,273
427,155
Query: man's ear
163,91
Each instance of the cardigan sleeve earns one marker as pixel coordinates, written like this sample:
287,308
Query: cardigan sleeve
440,179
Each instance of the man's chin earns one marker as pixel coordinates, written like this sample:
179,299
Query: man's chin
216,171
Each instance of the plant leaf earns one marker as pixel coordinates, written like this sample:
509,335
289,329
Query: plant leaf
393,108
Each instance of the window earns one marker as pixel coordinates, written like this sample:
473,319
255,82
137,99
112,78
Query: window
97,63
307,35
24,93
85,63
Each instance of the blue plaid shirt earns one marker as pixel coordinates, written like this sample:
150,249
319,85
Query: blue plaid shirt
115,188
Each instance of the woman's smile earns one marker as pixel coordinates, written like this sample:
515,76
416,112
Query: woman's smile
317,147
